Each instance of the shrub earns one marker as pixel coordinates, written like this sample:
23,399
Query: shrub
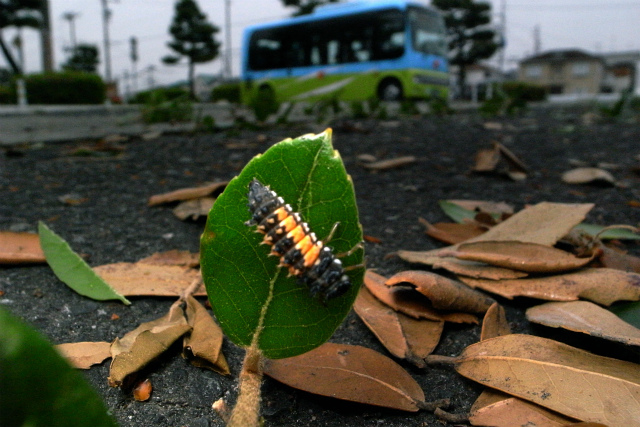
161,93
264,103
65,88
159,108
228,91
7,95
525,91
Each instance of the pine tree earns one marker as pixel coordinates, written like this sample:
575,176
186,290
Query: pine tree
193,38
83,58
470,39
306,6
18,13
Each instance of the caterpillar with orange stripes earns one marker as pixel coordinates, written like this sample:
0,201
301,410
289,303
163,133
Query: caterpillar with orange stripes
291,239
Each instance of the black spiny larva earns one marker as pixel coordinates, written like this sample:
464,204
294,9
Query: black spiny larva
291,239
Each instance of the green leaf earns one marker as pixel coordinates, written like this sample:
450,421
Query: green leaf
456,212
613,233
628,311
38,387
250,295
72,269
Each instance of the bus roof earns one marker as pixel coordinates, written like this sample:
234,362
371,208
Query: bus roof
338,9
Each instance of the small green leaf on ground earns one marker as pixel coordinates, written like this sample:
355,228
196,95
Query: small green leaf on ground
38,387
612,233
251,296
72,270
628,311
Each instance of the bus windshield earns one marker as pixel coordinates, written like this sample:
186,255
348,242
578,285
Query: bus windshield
427,32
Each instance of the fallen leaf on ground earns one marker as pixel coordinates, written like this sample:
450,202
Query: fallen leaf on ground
496,409
203,346
73,270
451,232
495,323
403,336
173,257
464,268
83,355
142,391
186,193
140,346
585,317
601,285
588,176
194,208
494,208
565,379
143,279
389,163
488,160
349,372
20,248
407,300
444,293
523,256
610,258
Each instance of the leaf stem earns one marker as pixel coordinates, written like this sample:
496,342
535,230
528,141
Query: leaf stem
436,359
246,413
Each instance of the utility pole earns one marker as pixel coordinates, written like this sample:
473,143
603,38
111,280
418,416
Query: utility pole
134,61
45,38
106,16
537,44
503,34
227,38
70,17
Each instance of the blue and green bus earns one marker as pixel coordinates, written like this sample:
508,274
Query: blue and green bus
389,49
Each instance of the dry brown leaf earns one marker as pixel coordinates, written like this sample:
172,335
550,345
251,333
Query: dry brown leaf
611,258
402,336
142,391
565,379
140,346
496,409
544,223
83,355
516,165
460,267
389,163
495,323
349,372
486,160
451,232
500,208
601,285
585,317
20,248
143,279
194,208
588,176
444,293
186,193
173,257
203,346
527,257
407,300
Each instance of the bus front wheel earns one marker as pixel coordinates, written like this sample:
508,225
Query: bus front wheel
390,90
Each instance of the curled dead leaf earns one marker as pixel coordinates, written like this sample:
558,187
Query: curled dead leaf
450,232
585,317
495,323
140,346
83,355
349,372
194,208
588,176
444,293
203,346
403,336
523,256
600,285
389,163
187,193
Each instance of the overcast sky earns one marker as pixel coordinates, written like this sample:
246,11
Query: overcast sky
592,25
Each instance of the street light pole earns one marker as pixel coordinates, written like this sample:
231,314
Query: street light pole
106,15
71,16
227,37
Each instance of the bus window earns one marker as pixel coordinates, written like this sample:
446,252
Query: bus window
266,51
427,33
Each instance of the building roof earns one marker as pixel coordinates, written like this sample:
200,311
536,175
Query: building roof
561,55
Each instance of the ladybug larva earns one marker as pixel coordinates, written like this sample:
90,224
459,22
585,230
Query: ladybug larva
291,239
